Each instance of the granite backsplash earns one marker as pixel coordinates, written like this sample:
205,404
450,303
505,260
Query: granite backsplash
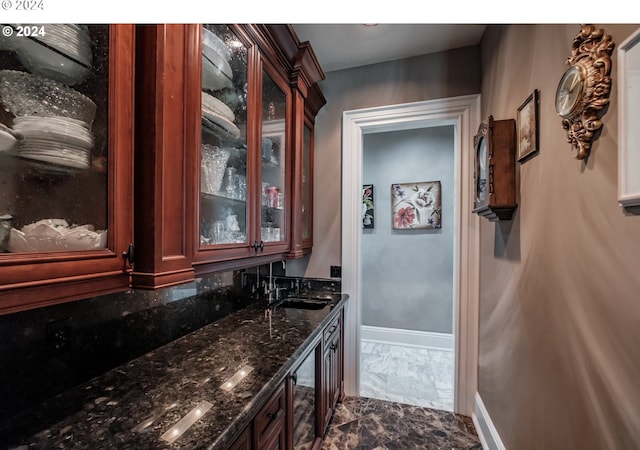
46,351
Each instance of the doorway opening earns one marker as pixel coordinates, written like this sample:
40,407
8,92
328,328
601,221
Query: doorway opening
461,113
406,351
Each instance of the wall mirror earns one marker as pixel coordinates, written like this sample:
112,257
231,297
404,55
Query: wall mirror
629,117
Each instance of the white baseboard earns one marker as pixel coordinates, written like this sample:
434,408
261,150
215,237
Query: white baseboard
487,432
409,338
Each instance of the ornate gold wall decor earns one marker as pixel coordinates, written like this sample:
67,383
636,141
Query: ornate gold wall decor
583,91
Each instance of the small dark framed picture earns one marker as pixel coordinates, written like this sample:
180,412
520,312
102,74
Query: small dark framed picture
527,121
367,206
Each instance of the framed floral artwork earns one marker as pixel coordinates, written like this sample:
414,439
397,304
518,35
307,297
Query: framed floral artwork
416,205
367,206
528,127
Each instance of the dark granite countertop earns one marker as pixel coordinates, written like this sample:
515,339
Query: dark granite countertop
133,405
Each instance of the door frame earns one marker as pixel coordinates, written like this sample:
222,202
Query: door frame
464,114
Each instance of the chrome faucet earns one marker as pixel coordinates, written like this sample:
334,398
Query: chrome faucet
270,288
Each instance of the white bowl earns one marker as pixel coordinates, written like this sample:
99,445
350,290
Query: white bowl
38,59
53,235
17,242
25,94
82,239
210,40
216,72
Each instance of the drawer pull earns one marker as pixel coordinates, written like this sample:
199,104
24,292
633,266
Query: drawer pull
275,415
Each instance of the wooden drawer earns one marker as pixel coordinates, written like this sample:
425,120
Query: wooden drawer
270,421
331,330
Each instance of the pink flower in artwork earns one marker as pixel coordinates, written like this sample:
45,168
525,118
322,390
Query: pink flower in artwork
405,217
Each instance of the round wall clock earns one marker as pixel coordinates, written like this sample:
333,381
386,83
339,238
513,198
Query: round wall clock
583,90
570,90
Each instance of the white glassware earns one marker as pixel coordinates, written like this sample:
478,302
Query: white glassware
24,94
232,182
213,164
217,231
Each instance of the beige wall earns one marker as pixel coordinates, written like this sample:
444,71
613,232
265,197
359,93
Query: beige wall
440,75
560,284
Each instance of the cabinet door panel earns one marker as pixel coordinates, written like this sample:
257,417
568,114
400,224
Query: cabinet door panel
274,157
224,211
67,185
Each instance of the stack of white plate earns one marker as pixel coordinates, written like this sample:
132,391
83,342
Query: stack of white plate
218,118
71,39
58,140
216,71
62,53
212,104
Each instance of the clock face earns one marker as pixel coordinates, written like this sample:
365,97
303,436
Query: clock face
481,170
569,90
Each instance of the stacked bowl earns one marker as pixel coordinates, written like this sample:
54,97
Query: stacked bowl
216,71
62,52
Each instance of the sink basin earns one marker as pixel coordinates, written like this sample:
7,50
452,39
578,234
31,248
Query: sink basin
304,303
322,295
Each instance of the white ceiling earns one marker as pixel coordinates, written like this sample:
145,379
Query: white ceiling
341,46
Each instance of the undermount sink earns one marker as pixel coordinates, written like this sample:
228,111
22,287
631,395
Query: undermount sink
311,300
304,303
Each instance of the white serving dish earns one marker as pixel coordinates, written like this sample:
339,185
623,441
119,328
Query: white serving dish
53,235
40,60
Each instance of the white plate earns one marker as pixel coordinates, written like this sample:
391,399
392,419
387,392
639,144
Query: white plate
7,141
222,122
60,120
213,77
210,40
35,143
57,160
210,103
41,60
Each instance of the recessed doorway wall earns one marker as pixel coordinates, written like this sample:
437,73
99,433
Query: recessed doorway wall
463,114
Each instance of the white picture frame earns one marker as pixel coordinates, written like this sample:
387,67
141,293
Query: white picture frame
629,118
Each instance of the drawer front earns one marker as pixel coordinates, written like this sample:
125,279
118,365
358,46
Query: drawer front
270,420
332,329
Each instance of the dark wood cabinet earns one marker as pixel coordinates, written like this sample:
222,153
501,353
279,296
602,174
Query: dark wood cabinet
332,369
168,97
228,109
270,424
494,169
243,442
298,413
47,259
166,111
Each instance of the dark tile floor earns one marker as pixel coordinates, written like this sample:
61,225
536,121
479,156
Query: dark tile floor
369,424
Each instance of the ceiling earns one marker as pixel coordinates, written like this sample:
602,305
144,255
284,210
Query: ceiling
342,46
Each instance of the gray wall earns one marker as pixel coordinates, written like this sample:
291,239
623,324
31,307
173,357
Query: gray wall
560,284
407,275
439,75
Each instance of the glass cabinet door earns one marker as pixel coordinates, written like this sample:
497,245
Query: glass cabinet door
274,158
54,112
223,188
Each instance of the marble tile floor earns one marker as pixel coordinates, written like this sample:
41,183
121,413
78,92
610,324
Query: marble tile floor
409,375
361,423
